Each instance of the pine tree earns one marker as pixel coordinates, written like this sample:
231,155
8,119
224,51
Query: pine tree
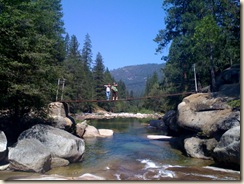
73,71
184,21
86,58
31,48
108,78
151,81
98,76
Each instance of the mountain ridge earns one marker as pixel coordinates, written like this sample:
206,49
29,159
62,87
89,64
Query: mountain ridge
135,76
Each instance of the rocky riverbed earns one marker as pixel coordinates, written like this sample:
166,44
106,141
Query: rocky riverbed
109,115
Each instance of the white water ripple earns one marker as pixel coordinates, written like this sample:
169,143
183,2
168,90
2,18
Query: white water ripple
153,167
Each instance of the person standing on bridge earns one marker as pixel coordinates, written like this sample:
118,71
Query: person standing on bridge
108,86
114,91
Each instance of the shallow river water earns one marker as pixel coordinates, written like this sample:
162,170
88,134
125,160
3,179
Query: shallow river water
130,155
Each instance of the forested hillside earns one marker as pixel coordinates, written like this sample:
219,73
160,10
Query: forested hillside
201,33
36,53
135,76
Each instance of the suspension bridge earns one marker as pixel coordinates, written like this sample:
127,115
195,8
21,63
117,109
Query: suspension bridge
128,99
61,84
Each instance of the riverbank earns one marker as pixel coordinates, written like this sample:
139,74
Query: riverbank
109,115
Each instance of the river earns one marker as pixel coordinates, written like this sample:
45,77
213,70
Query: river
130,155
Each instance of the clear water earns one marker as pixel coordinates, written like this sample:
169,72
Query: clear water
130,155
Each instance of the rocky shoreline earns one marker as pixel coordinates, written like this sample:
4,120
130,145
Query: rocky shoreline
109,115
206,127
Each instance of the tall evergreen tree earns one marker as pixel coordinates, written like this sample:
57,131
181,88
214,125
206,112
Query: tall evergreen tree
108,78
186,22
98,76
31,48
122,89
86,57
87,53
73,71
206,37
151,81
66,44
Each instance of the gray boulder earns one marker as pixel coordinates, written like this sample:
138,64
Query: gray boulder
199,148
229,76
91,132
213,128
29,155
56,109
59,162
160,125
59,114
228,122
59,142
3,146
170,119
201,113
227,152
81,128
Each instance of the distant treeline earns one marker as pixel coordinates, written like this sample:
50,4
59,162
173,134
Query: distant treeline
35,52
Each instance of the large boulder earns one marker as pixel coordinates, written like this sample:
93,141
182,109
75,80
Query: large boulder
201,113
228,122
227,152
170,119
91,132
59,142
56,109
81,128
213,128
230,75
3,146
29,155
160,125
59,114
199,148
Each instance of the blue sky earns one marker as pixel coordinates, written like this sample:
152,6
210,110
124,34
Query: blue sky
121,30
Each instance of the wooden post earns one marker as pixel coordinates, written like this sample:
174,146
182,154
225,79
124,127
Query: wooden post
62,96
57,90
195,76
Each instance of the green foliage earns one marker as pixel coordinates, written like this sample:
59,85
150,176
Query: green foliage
204,33
151,81
98,76
31,51
235,103
146,111
34,55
